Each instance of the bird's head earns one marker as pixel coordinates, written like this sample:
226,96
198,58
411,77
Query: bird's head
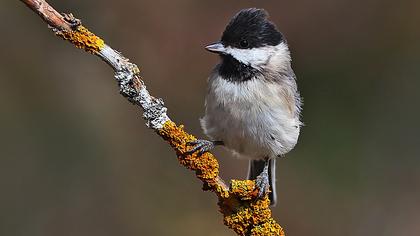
251,40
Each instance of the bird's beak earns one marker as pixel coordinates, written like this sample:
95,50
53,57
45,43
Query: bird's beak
216,48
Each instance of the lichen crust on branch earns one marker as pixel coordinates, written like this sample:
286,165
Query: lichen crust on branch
205,166
82,38
246,214
242,211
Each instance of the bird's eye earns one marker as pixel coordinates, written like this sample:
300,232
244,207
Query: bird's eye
244,43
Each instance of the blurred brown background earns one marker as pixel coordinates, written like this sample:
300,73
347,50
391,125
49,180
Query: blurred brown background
77,159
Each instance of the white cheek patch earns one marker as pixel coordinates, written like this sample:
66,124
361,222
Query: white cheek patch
256,57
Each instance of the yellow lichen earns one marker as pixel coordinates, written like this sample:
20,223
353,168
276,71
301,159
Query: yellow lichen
205,166
221,192
242,211
250,217
239,221
82,38
268,228
244,189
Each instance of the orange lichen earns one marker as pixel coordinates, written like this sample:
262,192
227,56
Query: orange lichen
250,217
268,228
220,191
205,166
244,189
239,221
82,38
242,212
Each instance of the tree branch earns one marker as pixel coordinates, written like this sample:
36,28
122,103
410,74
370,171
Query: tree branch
238,203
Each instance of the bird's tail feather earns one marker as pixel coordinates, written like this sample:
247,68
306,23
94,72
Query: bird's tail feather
255,169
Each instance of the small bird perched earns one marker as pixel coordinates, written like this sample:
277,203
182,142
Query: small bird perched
252,104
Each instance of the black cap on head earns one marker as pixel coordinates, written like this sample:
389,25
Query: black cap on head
250,28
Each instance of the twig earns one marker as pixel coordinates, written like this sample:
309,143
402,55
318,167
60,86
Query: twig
242,212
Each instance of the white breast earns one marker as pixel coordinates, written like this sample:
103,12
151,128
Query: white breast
253,118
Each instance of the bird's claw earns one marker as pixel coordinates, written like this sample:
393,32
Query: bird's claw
262,184
201,146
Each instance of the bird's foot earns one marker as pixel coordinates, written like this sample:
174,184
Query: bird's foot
262,183
202,146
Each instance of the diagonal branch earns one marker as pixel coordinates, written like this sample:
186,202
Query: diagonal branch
242,211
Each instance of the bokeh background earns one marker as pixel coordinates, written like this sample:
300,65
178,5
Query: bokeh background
77,159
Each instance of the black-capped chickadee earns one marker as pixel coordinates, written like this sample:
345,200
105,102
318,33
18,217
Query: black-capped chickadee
252,104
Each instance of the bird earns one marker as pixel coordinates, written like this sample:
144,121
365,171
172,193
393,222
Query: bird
252,104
